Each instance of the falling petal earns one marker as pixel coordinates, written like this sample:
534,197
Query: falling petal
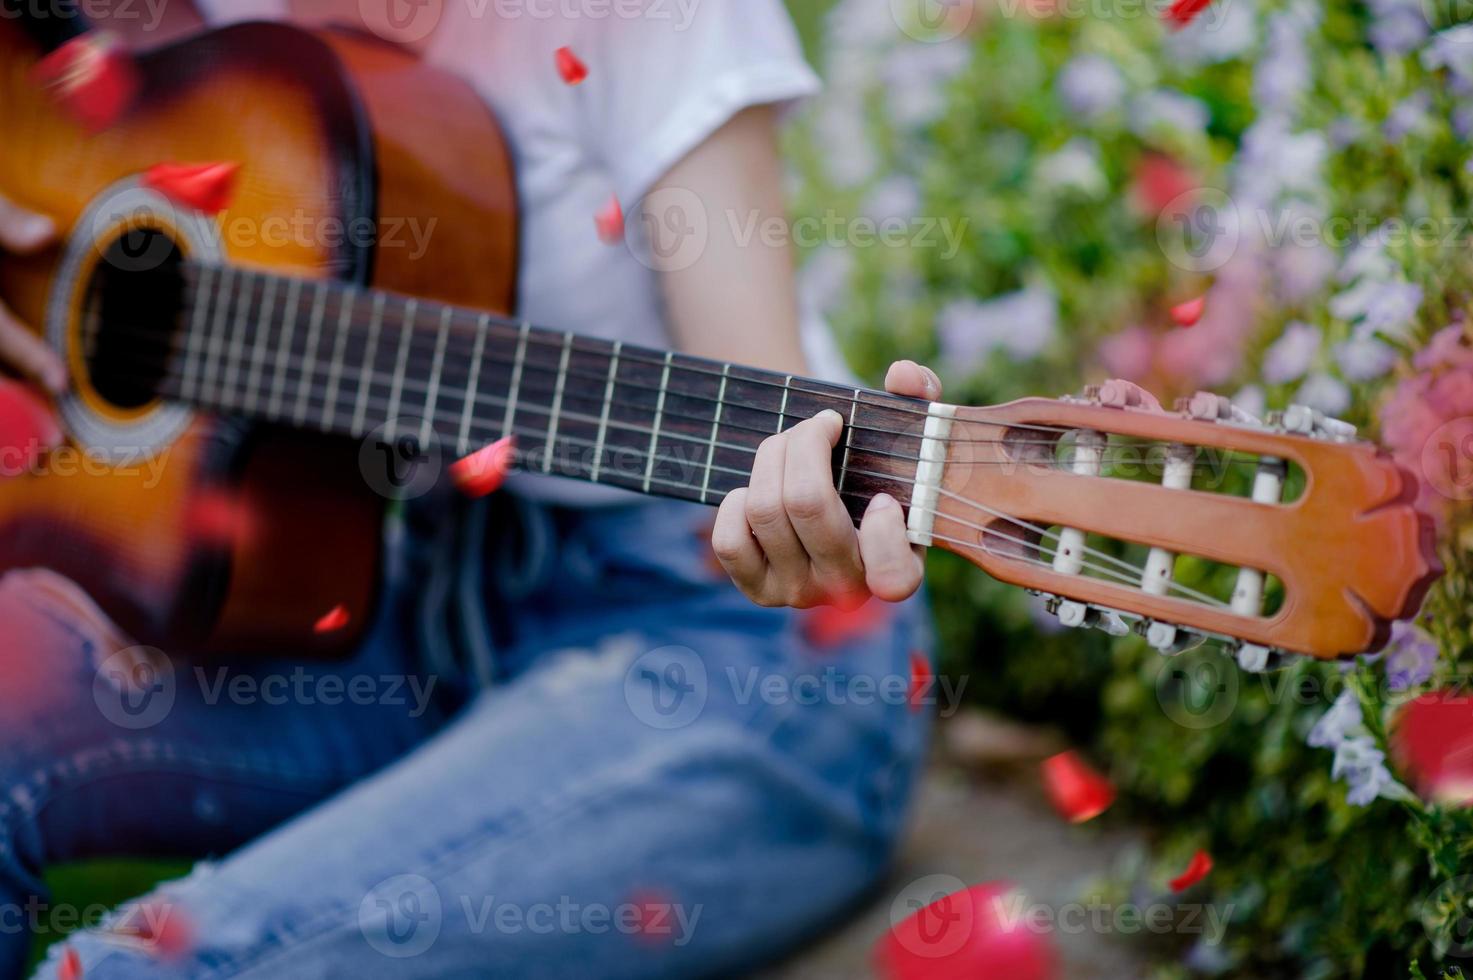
92,77
825,627
1183,12
1077,791
332,621
610,222
484,471
71,966
205,187
218,517
922,679
27,429
571,67
1199,867
1187,314
977,932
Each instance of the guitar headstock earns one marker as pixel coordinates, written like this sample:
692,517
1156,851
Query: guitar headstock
1308,540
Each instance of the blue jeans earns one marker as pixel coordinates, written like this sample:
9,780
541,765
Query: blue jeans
641,775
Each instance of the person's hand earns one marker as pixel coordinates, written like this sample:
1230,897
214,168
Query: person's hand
787,539
21,233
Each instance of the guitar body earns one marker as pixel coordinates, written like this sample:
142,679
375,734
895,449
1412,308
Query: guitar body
221,537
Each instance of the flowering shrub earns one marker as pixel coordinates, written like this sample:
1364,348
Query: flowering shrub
1274,203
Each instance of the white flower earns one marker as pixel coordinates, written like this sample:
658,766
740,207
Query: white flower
1021,323
1250,399
1220,33
849,156
859,25
897,196
1324,393
1283,73
1364,358
1090,85
823,281
1274,161
916,75
1451,49
1165,109
1379,306
1291,355
1074,166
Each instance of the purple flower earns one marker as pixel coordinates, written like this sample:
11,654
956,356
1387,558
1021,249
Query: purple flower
1397,26
1451,49
1021,323
1324,393
1408,116
1357,760
1090,85
1291,355
1283,73
1166,109
1364,358
1385,307
1410,657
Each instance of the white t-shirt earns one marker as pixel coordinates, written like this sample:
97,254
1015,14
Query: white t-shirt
659,84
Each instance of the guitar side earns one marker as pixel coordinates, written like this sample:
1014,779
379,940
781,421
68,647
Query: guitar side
329,130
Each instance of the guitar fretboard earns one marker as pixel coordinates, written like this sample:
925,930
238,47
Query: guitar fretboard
320,355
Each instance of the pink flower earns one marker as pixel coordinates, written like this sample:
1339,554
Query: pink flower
1128,354
1427,421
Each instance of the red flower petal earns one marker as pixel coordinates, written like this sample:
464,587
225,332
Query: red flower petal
829,626
162,927
71,966
655,920
1183,12
1433,740
205,187
483,471
571,67
218,517
979,932
1199,868
333,620
92,77
1160,182
28,429
610,222
922,680
1076,790
1187,314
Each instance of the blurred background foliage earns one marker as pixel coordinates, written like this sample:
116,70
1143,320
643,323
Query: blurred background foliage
1077,143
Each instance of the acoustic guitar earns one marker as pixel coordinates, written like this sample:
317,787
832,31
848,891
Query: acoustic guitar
209,366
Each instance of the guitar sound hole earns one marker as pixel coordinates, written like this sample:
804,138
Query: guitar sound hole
131,318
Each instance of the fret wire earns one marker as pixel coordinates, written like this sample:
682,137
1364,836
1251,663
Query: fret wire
782,409
401,364
260,347
557,401
283,352
603,418
848,435
715,431
309,358
659,411
339,351
439,366
516,380
691,365
370,361
194,335
217,331
463,444
236,351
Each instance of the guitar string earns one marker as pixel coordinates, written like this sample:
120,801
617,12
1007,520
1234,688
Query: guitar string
1113,454
1122,455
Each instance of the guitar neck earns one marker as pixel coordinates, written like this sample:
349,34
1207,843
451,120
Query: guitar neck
318,355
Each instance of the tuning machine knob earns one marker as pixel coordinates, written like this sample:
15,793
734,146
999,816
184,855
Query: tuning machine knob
1170,639
1080,615
1257,659
1305,421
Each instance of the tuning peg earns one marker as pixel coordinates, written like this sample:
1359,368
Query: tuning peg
1078,615
1307,421
1171,640
1206,406
1256,659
